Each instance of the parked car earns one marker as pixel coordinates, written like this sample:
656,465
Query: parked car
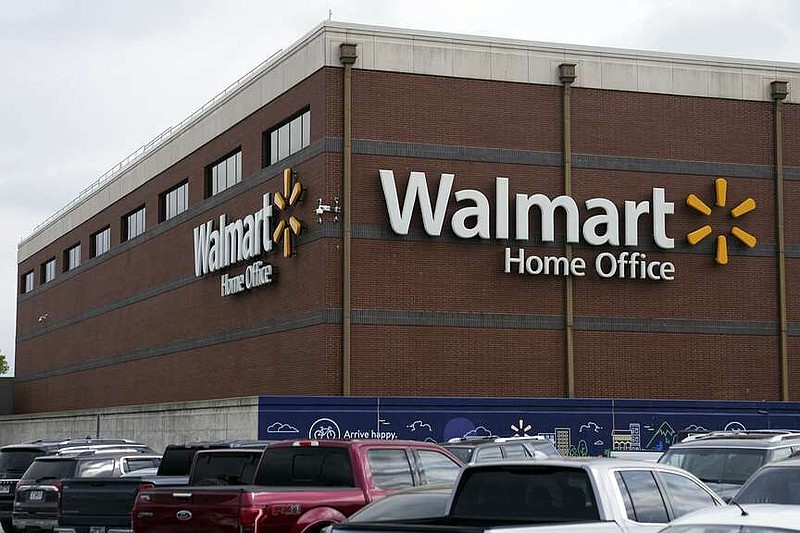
753,518
16,458
590,494
299,486
105,503
725,460
37,496
776,482
483,449
427,501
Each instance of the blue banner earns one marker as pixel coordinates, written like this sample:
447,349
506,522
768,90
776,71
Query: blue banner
575,426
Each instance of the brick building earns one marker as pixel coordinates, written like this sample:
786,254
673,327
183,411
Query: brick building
514,219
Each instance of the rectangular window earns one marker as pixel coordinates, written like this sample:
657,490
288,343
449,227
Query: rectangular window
133,224
288,138
49,270
27,282
174,202
72,257
100,242
224,174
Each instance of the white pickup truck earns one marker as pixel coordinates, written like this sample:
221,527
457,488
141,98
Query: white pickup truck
592,494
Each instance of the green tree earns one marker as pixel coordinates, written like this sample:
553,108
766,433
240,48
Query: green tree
3,364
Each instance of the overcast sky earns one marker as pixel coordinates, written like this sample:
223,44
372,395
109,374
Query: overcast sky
87,82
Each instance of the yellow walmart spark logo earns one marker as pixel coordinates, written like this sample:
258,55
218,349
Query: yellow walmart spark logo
699,234
290,225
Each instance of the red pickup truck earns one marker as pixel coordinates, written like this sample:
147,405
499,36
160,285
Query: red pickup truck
299,487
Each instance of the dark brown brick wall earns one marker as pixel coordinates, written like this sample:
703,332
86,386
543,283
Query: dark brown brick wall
443,277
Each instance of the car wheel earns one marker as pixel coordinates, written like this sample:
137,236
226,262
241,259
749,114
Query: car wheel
8,525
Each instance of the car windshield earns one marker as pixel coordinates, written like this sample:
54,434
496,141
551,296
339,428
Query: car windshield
717,465
17,461
732,528
422,504
772,485
462,452
52,469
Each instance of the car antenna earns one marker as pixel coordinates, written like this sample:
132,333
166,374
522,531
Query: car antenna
744,513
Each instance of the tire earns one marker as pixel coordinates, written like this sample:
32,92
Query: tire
8,525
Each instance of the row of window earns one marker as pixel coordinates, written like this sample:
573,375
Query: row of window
280,142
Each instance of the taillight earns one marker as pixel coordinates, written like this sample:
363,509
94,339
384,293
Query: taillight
248,516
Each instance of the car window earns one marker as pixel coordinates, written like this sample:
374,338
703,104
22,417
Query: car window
137,463
462,452
772,485
554,494
225,469
17,461
305,466
544,446
717,465
96,468
390,468
685,494
488,453
436,467
404,506
57,469
781,453
647,503
514,451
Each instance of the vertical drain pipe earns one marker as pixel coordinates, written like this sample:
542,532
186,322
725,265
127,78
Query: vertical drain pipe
347,56
566,74
779,91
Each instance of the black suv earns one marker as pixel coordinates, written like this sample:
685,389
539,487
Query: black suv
37,494
16,458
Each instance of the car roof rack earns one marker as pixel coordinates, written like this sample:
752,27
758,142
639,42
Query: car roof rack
466,440
773,435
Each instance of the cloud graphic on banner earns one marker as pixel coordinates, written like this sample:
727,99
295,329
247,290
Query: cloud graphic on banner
279,427
479,431
419,424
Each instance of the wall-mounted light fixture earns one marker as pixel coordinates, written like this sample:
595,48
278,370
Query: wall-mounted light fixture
326,208
42,317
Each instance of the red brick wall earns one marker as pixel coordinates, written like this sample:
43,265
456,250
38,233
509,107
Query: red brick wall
443,277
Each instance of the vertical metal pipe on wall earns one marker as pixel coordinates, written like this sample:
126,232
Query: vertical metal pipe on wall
347,56
566,73
779,91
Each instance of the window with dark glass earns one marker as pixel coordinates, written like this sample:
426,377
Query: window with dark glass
100,242
27,282
48,270
643,501
390,468
685,495
489,453
72,257
514,451
288,138
224,174
436,467
174,202
133,224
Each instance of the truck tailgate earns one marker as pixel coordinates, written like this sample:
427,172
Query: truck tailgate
198,511
97,501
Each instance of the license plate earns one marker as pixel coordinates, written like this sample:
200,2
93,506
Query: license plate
36,496
5,489
97,529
